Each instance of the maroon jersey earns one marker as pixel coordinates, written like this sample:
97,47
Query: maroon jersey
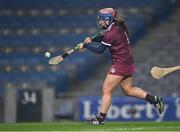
118,43
120,50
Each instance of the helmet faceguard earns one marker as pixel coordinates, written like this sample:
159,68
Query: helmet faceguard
104,15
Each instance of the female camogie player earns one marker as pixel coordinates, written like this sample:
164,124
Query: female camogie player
116,38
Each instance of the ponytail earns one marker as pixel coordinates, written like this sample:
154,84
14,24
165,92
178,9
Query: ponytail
120,22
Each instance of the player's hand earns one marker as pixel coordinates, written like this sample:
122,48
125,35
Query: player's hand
88,40
80,46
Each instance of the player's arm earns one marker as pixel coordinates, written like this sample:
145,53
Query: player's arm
97,48
98,39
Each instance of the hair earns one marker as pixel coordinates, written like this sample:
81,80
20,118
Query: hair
120,22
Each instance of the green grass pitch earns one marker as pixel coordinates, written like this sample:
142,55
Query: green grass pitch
109,126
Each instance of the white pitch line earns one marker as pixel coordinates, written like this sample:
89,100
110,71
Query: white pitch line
144,128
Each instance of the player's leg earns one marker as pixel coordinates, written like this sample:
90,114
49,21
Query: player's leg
127,88
137,92
110,83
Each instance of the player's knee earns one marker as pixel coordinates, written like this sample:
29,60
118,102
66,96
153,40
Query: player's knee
106,89
127,91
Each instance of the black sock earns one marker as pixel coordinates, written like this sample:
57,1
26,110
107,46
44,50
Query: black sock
150,99
102,116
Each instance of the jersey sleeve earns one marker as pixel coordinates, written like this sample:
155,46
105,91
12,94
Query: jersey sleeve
107,39
97,48
98,39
